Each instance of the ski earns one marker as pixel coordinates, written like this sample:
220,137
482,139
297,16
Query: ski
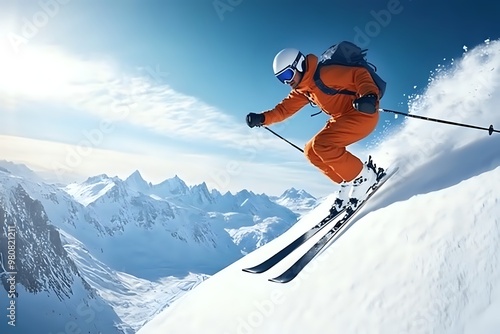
273,260
295,269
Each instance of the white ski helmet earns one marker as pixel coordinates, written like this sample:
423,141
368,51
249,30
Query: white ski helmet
288,59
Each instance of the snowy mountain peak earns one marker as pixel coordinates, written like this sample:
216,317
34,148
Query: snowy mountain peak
293,193
136,182
201,194
201,187
170,187
92,189
299,201
136,175
18,169
97,179
244,194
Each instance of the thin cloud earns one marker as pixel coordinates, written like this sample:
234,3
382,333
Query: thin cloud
100,87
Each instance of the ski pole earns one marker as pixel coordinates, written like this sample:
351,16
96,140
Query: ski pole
490,129
277,135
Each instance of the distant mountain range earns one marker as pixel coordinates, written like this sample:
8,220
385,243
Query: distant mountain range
107,240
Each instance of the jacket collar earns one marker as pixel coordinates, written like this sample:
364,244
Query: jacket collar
307,81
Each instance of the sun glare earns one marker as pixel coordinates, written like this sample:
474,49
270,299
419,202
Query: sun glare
29,70
32,72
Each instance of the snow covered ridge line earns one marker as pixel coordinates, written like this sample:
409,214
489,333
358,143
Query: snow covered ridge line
175,189
175,230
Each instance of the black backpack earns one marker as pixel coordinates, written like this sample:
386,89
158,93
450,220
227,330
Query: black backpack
347,54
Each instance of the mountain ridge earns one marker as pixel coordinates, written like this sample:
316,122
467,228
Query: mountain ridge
41,273
104,222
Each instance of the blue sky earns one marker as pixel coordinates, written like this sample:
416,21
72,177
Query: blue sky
164,86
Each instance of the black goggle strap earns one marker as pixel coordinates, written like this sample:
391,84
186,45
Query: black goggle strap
296,62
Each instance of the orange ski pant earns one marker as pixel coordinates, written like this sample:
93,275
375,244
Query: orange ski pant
327,149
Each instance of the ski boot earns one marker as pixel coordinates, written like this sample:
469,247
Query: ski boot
367,179
342,199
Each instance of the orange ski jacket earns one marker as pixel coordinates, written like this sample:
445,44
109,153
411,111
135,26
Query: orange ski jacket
356,79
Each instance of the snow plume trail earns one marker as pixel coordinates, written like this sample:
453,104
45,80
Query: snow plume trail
465,92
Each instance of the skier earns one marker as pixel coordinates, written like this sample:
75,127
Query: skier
353,117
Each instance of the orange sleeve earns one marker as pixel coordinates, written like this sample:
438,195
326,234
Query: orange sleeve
286,108
364,82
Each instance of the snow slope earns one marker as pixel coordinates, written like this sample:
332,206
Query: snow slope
133,299
422,257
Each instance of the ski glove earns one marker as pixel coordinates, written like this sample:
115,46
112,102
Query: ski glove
254,119
366,103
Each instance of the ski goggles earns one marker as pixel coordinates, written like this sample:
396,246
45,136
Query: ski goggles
286,75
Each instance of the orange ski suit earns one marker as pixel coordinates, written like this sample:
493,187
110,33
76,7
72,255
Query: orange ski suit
327,149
